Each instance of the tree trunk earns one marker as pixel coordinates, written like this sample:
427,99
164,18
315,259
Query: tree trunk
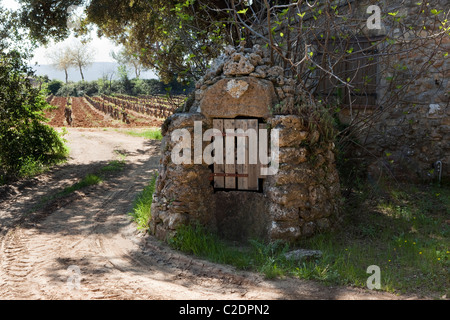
137,70
137,73
81,72
67,76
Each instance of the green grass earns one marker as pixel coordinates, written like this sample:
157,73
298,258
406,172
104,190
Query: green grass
89,180
266,258
153,134
404,230
141,212
114,166
198,241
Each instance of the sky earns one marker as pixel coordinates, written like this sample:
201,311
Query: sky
102,47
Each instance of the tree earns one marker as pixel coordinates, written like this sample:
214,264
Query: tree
107,78
125,82
171,37
325,45
26,141
41,80
81,56
127,58
62,60
47,20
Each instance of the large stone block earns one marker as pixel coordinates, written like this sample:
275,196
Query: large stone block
231,98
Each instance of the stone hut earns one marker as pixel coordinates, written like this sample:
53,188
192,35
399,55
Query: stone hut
292,195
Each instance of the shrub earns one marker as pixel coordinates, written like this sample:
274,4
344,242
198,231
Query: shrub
142,205
27,143
79,89
54,86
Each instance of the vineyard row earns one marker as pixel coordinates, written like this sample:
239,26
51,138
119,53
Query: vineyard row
154,110
114,111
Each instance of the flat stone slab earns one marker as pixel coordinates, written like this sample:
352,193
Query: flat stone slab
231,98
303,254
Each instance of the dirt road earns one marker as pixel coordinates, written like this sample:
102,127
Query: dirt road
84,246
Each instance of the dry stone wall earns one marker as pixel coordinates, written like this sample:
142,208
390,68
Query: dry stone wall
408,139
300,199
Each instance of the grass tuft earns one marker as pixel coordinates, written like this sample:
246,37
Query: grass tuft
141,212
89,180
153,134
114,166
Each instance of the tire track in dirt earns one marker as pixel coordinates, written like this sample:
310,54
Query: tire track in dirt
17,263
94,233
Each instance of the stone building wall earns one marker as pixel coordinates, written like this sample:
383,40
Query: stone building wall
408,139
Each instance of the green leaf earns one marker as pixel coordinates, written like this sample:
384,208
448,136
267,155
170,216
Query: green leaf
284,12
281,34
435,12
301,15
243,11
393,13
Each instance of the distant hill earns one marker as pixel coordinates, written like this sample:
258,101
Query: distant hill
94,72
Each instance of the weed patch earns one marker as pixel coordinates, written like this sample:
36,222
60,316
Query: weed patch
141,212
153,134
114,166
404,230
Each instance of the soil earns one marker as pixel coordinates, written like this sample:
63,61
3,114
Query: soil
42,240
84,115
